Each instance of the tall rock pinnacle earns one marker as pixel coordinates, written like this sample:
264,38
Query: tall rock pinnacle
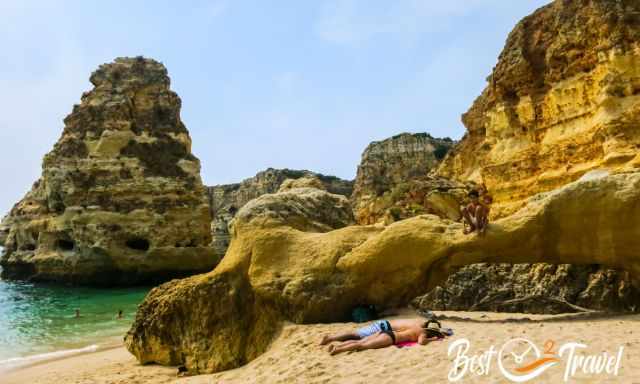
120,200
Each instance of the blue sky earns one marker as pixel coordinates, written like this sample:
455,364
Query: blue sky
297,84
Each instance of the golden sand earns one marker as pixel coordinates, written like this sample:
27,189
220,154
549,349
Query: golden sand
296,357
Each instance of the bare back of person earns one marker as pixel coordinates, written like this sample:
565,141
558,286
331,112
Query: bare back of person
409,335
403,324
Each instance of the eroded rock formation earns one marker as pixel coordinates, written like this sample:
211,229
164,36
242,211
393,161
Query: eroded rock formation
120,200
416,196
5,228
230,308
303,182
279,268
563,99
534,288
387,165
226,200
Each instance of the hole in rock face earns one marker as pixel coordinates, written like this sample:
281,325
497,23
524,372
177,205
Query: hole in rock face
28,247
511,95
65,245
440,152
138,244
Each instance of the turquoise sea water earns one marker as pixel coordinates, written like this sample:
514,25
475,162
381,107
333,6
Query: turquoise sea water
37,319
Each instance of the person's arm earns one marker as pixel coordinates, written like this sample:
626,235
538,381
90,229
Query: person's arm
424,340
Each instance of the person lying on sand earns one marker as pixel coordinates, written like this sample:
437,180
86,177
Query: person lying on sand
383,333
476,213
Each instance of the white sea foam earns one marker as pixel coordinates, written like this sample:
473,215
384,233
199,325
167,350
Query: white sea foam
16,362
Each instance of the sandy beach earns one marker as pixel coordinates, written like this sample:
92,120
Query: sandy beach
296,357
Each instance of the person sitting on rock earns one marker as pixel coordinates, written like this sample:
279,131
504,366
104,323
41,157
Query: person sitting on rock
383,333
485,203
476,213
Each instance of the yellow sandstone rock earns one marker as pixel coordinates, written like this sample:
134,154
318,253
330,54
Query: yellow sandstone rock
563,99
303,182
226,199
554,136
282,266
120,200
386,169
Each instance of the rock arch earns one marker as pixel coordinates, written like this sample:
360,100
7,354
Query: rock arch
303,272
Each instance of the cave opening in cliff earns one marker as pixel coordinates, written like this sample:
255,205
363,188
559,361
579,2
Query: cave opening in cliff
28,247
138,243
65,245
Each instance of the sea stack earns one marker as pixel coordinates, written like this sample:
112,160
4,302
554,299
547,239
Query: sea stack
120,200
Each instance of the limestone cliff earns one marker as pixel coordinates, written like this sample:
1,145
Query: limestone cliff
389,164
279,267
563,99
120,200
534,288
226,200
5,227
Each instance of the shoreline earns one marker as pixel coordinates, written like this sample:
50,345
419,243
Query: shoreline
24,362
109,364
295,355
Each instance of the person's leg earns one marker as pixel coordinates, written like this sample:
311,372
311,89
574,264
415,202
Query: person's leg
467,220
481,219
485,219
344,344
339,337
379,340
360,333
